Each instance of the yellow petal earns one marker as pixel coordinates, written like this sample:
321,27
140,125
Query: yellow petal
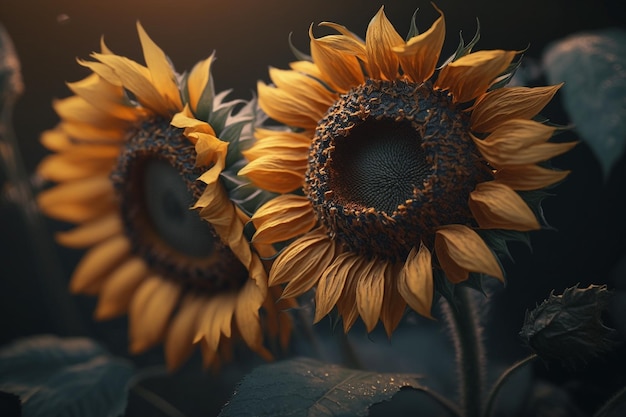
419,56
369,291
529,177
137,79
249,301
337,57
161,70
283,218
331,283
77,109
280,173
471,75
304,88
150,311
308,68
347,305
108,97
380,39
182,331
83,211
216,321
303,274
198,81
83,190
393,303
308,256
415,282
88,133
63,167
119,288
281,105
503,104
460,250
92,232
185,119
496,206
96,265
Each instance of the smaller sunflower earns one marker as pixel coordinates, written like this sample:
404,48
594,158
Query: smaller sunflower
397,177
136,147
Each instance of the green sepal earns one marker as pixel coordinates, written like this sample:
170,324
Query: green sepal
221,111
497,240
463,49
184,92
443,286
413,31
300,56
231,134
504,78
533,199
475,281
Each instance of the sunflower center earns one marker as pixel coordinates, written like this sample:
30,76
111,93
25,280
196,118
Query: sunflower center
390,162
155,179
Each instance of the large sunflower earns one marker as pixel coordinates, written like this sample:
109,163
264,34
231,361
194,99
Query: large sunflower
127,174
397,177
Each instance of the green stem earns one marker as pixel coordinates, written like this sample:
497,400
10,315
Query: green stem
470,358
614,401
491,400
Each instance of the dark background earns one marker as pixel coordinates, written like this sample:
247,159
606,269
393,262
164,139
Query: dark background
587,211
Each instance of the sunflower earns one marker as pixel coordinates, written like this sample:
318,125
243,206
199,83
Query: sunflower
396,177
129,164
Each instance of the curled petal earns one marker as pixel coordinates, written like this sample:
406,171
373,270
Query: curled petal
460,251
415,282
496,206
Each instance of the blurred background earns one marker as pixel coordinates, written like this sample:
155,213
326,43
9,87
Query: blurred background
587,212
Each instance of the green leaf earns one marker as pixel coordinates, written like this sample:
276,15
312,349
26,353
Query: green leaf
593,67
306,387
71,377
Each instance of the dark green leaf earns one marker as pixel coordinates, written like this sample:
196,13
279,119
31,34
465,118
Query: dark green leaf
306,387
593,67
72,377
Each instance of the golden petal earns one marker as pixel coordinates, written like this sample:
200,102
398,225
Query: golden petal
108,97
67,168
161,71
469,76
460,250
331,283
137,79
283,218
216,319
97,264
181,332
83,190
55,140
284,107
496,206
419,56
88,133
279,173
337,57
309,255
415,282
347,304
304,88
394,304
380,39
150,312
278,144
504,104
83,211
77,109
198,80
529,177
369,291
185,119
317,258
249,301
308,68
91,233
119,288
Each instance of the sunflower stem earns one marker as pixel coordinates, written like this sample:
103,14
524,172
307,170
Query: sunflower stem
491,400
466,333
